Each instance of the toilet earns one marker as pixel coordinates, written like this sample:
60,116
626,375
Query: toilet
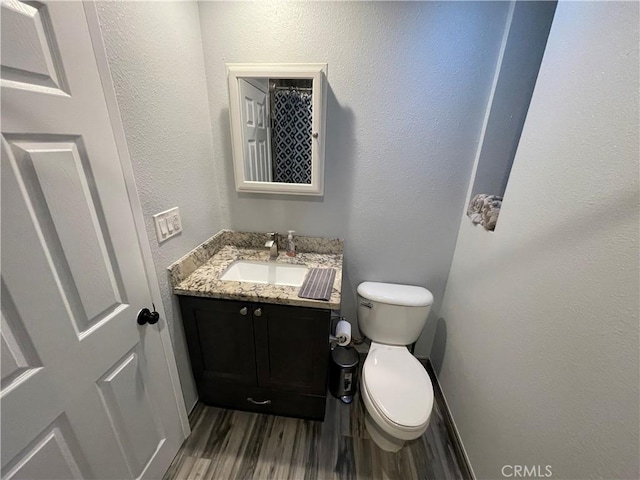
396,389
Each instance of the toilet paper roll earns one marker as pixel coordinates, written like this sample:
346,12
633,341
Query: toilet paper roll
343,333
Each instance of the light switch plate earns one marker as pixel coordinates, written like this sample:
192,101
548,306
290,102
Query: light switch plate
168,224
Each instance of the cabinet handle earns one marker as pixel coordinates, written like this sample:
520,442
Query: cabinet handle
255,402
258,312
243,311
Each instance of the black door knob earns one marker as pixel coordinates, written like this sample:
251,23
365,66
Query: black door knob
147,316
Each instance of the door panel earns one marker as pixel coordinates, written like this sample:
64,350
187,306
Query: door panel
34,59
86,392
55,178
220,339
292,348
127,403
54,454
19,357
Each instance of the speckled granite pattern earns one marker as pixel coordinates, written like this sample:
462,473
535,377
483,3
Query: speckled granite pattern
198,273
303,244
197,257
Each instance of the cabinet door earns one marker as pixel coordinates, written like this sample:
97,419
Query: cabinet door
292,347
220,339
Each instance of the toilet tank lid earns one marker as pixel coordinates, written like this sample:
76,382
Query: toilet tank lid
396,294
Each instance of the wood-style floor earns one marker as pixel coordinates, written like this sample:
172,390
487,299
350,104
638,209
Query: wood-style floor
229,444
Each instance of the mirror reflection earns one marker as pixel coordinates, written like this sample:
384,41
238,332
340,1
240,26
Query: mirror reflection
276,118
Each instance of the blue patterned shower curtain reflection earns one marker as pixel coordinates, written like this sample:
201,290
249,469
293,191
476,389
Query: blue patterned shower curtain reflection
291,136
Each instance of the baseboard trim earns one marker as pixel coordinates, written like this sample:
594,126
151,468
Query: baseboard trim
461,454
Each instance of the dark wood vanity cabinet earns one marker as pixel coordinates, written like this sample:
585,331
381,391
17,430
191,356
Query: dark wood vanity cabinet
258,357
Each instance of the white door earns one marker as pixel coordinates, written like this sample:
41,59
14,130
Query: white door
255,132
86,392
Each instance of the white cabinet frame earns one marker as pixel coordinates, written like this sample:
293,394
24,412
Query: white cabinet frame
314,71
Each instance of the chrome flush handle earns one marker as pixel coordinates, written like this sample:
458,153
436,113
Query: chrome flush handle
366,304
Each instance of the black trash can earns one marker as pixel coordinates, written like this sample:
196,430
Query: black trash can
343,373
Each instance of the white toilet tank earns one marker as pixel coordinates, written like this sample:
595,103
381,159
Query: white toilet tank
392,314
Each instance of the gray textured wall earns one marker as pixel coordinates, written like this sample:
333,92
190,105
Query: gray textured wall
540,317
518,71
408,89
155,56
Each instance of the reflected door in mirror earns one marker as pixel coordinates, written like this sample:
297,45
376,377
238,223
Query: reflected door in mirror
255,131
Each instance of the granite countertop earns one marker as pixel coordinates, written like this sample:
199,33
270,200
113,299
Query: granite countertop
198,273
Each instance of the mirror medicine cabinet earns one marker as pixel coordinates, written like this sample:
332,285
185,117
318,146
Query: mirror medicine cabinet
278,127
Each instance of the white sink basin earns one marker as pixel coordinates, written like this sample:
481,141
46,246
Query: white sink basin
266,272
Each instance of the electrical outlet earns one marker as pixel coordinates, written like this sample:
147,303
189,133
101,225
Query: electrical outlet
168,224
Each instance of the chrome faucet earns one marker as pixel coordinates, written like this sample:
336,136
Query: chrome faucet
272,245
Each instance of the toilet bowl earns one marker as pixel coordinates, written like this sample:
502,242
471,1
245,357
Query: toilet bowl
397,394
396,389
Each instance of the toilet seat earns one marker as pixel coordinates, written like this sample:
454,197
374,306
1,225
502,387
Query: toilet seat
398,388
